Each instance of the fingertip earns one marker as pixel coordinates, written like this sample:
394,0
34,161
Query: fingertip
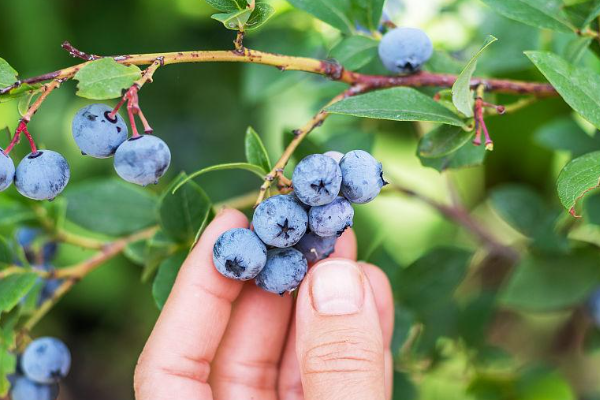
345,246
384,298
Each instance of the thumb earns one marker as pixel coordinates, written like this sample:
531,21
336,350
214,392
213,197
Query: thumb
339,341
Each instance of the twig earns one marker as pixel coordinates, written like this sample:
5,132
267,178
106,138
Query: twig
462,217
74,274
78,53
326,68
299,135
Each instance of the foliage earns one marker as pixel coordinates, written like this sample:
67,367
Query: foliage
486,297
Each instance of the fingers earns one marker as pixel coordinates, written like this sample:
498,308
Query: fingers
384,299
339,340
176,360
346,246
247,362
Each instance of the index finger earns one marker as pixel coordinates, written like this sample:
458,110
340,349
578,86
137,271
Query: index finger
176,360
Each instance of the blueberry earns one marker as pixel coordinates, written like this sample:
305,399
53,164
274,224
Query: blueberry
316,248
331,219
405,50
49,251
96,133
48,290
26,236
280,221
42,175
7,171
336,155
593,306
239,254
46,360
25,389
317,179
284,271
362,177
142,160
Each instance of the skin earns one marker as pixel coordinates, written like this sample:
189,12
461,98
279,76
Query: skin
219,338
95,133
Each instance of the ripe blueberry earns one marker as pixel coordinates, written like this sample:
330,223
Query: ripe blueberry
336,155
331,219
284,271
239,254
142,160
42,175
7,171
316,248
280,221
405,50
317,179
362,177
25,389
96,133
46,360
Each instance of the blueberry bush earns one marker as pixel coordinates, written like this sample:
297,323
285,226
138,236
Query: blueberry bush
463,149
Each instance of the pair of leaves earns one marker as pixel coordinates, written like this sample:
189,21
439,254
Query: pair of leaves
237,15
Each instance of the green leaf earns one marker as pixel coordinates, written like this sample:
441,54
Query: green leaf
565,134
8,365
182,212
261,14
110,206
13,288
577,178
6,257
227,5
235,20
159,247
105,79
432,279
552,283
442,141
461,90
370,12
165,278
583,13
538,13
396,104
335,13
19,92
258,171
578,86
256,153
355,52
521,207
576,49
468,155
13,212
593,14
8,75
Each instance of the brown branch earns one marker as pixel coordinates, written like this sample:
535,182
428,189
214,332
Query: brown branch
461,216
76,53
326,68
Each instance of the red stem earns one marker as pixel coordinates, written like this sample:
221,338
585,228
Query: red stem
22,127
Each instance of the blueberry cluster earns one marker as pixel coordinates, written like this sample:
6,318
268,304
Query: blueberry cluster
293,230
43,364
43,174
39,253
405,50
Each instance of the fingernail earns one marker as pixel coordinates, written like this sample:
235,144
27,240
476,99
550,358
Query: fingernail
337,288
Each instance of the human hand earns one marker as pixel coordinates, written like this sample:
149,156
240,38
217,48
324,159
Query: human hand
218,338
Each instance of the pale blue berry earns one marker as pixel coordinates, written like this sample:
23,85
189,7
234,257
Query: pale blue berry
316,248
42,175
284,271
331,219
405,50
142,160
280,221
317,180
46,360
7,171
239,254
96,133
362,177
25,389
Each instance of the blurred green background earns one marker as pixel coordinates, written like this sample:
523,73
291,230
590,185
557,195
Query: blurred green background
202,112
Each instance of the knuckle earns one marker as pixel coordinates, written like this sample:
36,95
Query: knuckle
348,351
